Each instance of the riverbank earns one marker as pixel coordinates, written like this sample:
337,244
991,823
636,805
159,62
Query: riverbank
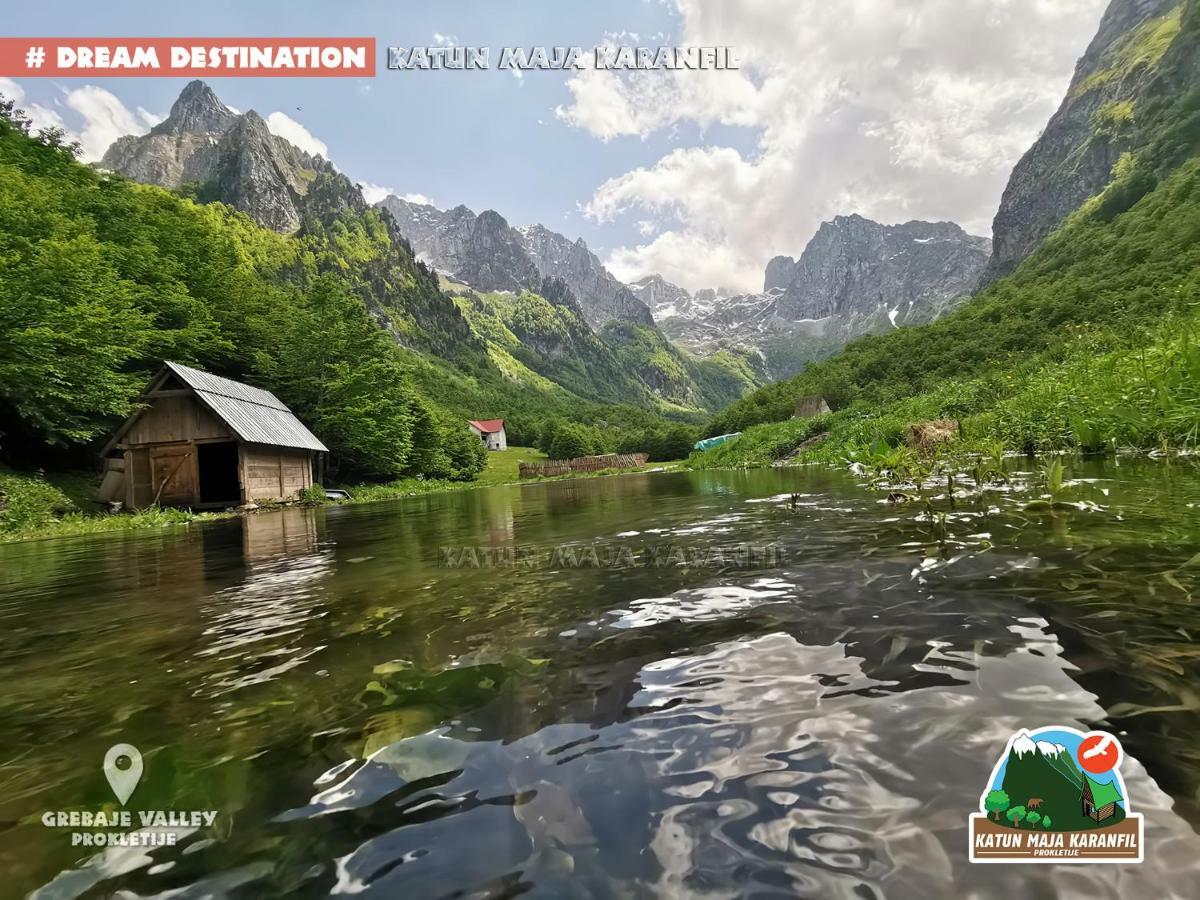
1088,398
36,506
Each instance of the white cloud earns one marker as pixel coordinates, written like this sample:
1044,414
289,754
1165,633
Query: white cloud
417,198
11,89
292,131
98,117
710,263
40,116
893,110
105,118
373,193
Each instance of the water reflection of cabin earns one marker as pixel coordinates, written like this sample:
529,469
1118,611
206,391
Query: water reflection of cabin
1100,800
204,441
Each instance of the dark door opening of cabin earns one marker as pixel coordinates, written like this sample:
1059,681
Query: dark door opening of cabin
219,473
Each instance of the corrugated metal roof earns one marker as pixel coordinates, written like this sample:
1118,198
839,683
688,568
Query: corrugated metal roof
255,415
226,387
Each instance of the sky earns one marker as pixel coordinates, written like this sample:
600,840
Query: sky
893,109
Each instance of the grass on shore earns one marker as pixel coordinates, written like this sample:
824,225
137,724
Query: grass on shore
1091,398
34,506
502,468
44,505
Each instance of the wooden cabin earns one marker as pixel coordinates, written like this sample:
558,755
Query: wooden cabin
208,442
1099,801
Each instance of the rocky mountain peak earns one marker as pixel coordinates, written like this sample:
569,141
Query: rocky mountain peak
854,266
664,299
249,126
482,250
854,277
600,295
234,158
197,111
487,253
490,220
779,272
1073,158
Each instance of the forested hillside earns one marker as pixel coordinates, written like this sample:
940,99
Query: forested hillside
544,340
211,153
103,278
1090,342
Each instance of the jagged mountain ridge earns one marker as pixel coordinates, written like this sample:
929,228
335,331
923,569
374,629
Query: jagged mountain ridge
482,251
1073,159
602,296
853,266
487,253
229,157
854,277
662,298
205,148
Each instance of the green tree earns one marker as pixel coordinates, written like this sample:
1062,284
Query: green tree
460,455
1015,815
996,802
69,325
676,443
570,441
1046,822
1033,817
547,433
343,376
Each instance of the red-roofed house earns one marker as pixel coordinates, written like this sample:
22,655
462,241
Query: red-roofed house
491,431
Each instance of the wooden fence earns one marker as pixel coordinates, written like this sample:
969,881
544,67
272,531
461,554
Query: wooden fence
582,464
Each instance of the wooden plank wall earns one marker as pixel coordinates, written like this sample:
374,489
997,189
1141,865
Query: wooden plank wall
274,473
174,474
173,419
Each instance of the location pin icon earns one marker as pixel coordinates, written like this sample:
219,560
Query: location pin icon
123,781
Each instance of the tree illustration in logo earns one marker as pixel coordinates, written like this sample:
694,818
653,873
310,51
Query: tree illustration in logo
997,802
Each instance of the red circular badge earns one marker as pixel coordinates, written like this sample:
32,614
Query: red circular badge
1099,752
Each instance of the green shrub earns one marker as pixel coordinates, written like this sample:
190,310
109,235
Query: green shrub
570,441
29,502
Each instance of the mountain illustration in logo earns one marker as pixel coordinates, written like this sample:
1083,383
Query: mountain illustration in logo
1057,795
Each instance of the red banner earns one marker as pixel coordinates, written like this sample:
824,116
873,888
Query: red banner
187,57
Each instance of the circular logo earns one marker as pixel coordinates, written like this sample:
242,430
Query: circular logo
1099,752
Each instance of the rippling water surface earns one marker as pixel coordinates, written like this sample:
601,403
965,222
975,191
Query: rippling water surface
706,684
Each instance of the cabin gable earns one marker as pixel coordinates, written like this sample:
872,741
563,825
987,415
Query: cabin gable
176,418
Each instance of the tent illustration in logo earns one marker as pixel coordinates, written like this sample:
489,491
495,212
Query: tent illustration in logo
1056,795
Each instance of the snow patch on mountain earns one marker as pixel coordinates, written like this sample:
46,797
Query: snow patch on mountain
1024,744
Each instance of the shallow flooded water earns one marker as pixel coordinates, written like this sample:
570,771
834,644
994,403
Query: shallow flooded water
712,684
